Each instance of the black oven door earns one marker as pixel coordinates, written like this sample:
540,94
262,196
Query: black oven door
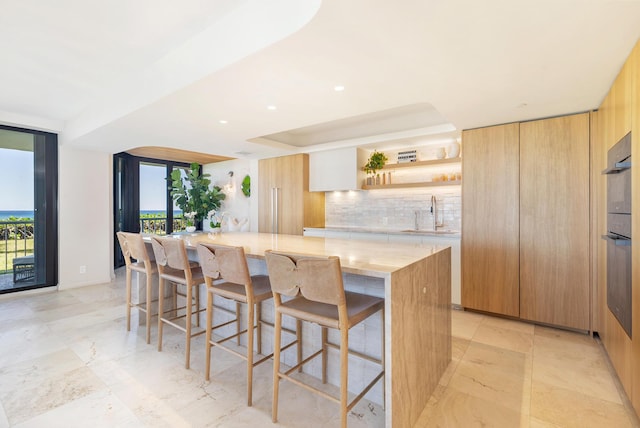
619,279
619,192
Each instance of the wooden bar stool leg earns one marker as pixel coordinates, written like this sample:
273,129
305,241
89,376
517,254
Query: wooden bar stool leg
238,323
259,327
324,354
197,311
160,309
208,334
148,306
128,284
299,340
344,375
250,320
276,364
189,307
382,361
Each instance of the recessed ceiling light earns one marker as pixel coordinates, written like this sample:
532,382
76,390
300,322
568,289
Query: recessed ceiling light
223,121
338,88
271,107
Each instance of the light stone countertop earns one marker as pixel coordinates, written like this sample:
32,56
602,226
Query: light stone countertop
357,257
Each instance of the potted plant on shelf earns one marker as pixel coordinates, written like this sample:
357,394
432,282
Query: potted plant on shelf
375,163
193,194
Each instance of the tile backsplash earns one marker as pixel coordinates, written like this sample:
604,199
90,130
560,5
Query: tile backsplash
393,208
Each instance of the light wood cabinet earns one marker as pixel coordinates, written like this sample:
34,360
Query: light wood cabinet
490,227
525,220
285,204
554,221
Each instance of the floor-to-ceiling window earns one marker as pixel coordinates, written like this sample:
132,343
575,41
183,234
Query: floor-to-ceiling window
28,209
142,201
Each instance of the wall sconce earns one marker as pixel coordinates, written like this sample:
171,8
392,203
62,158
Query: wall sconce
230,187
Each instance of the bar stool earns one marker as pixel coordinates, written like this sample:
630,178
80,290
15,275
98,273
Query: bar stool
317,294
132,246
228,265
174,267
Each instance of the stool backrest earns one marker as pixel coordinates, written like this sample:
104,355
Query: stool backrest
318,279
224,262
132,246
170,252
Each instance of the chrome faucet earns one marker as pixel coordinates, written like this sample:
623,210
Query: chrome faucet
434,211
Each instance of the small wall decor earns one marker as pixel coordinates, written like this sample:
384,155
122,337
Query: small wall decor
246,186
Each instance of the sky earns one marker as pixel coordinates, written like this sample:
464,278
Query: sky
16,176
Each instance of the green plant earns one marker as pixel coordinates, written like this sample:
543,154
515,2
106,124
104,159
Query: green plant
246,186
197,197
375,162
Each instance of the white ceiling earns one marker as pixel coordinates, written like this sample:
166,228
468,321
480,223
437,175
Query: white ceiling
116,75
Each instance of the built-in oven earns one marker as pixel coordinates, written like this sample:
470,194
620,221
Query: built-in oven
619,232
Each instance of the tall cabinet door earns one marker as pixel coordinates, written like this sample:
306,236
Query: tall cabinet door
285,203
554,221
490,237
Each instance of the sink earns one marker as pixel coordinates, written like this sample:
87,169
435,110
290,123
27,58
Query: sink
431,232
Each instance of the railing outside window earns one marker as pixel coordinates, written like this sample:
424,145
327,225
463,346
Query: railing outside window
16,240
158,225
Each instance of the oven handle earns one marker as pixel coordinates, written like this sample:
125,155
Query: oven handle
620,242
618,167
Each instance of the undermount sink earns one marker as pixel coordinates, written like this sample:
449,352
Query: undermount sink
431,232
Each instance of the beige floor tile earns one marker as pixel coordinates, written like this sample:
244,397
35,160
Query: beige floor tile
495,374
464,324
510,339
574,363
567,408
33,387
458,409
458,347
508,324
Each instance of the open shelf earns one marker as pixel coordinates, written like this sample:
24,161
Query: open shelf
433,162
409,185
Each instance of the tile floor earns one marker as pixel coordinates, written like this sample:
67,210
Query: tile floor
66,360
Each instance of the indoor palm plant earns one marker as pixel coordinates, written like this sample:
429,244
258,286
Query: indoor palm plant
194,194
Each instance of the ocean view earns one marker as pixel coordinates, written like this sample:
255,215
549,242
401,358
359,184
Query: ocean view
17,213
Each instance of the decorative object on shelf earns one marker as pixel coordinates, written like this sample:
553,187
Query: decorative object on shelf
454,150
441,153
375,162
407,156
246,186
197,198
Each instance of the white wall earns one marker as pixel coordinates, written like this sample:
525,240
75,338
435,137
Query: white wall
236,204
85,217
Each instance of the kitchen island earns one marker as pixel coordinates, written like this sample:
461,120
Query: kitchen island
416,283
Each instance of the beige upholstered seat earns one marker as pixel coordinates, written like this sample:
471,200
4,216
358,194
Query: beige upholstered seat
133,247
228,267
318,296
174,267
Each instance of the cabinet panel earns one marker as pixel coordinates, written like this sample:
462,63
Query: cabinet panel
635,207
490,238
554,221
284,181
